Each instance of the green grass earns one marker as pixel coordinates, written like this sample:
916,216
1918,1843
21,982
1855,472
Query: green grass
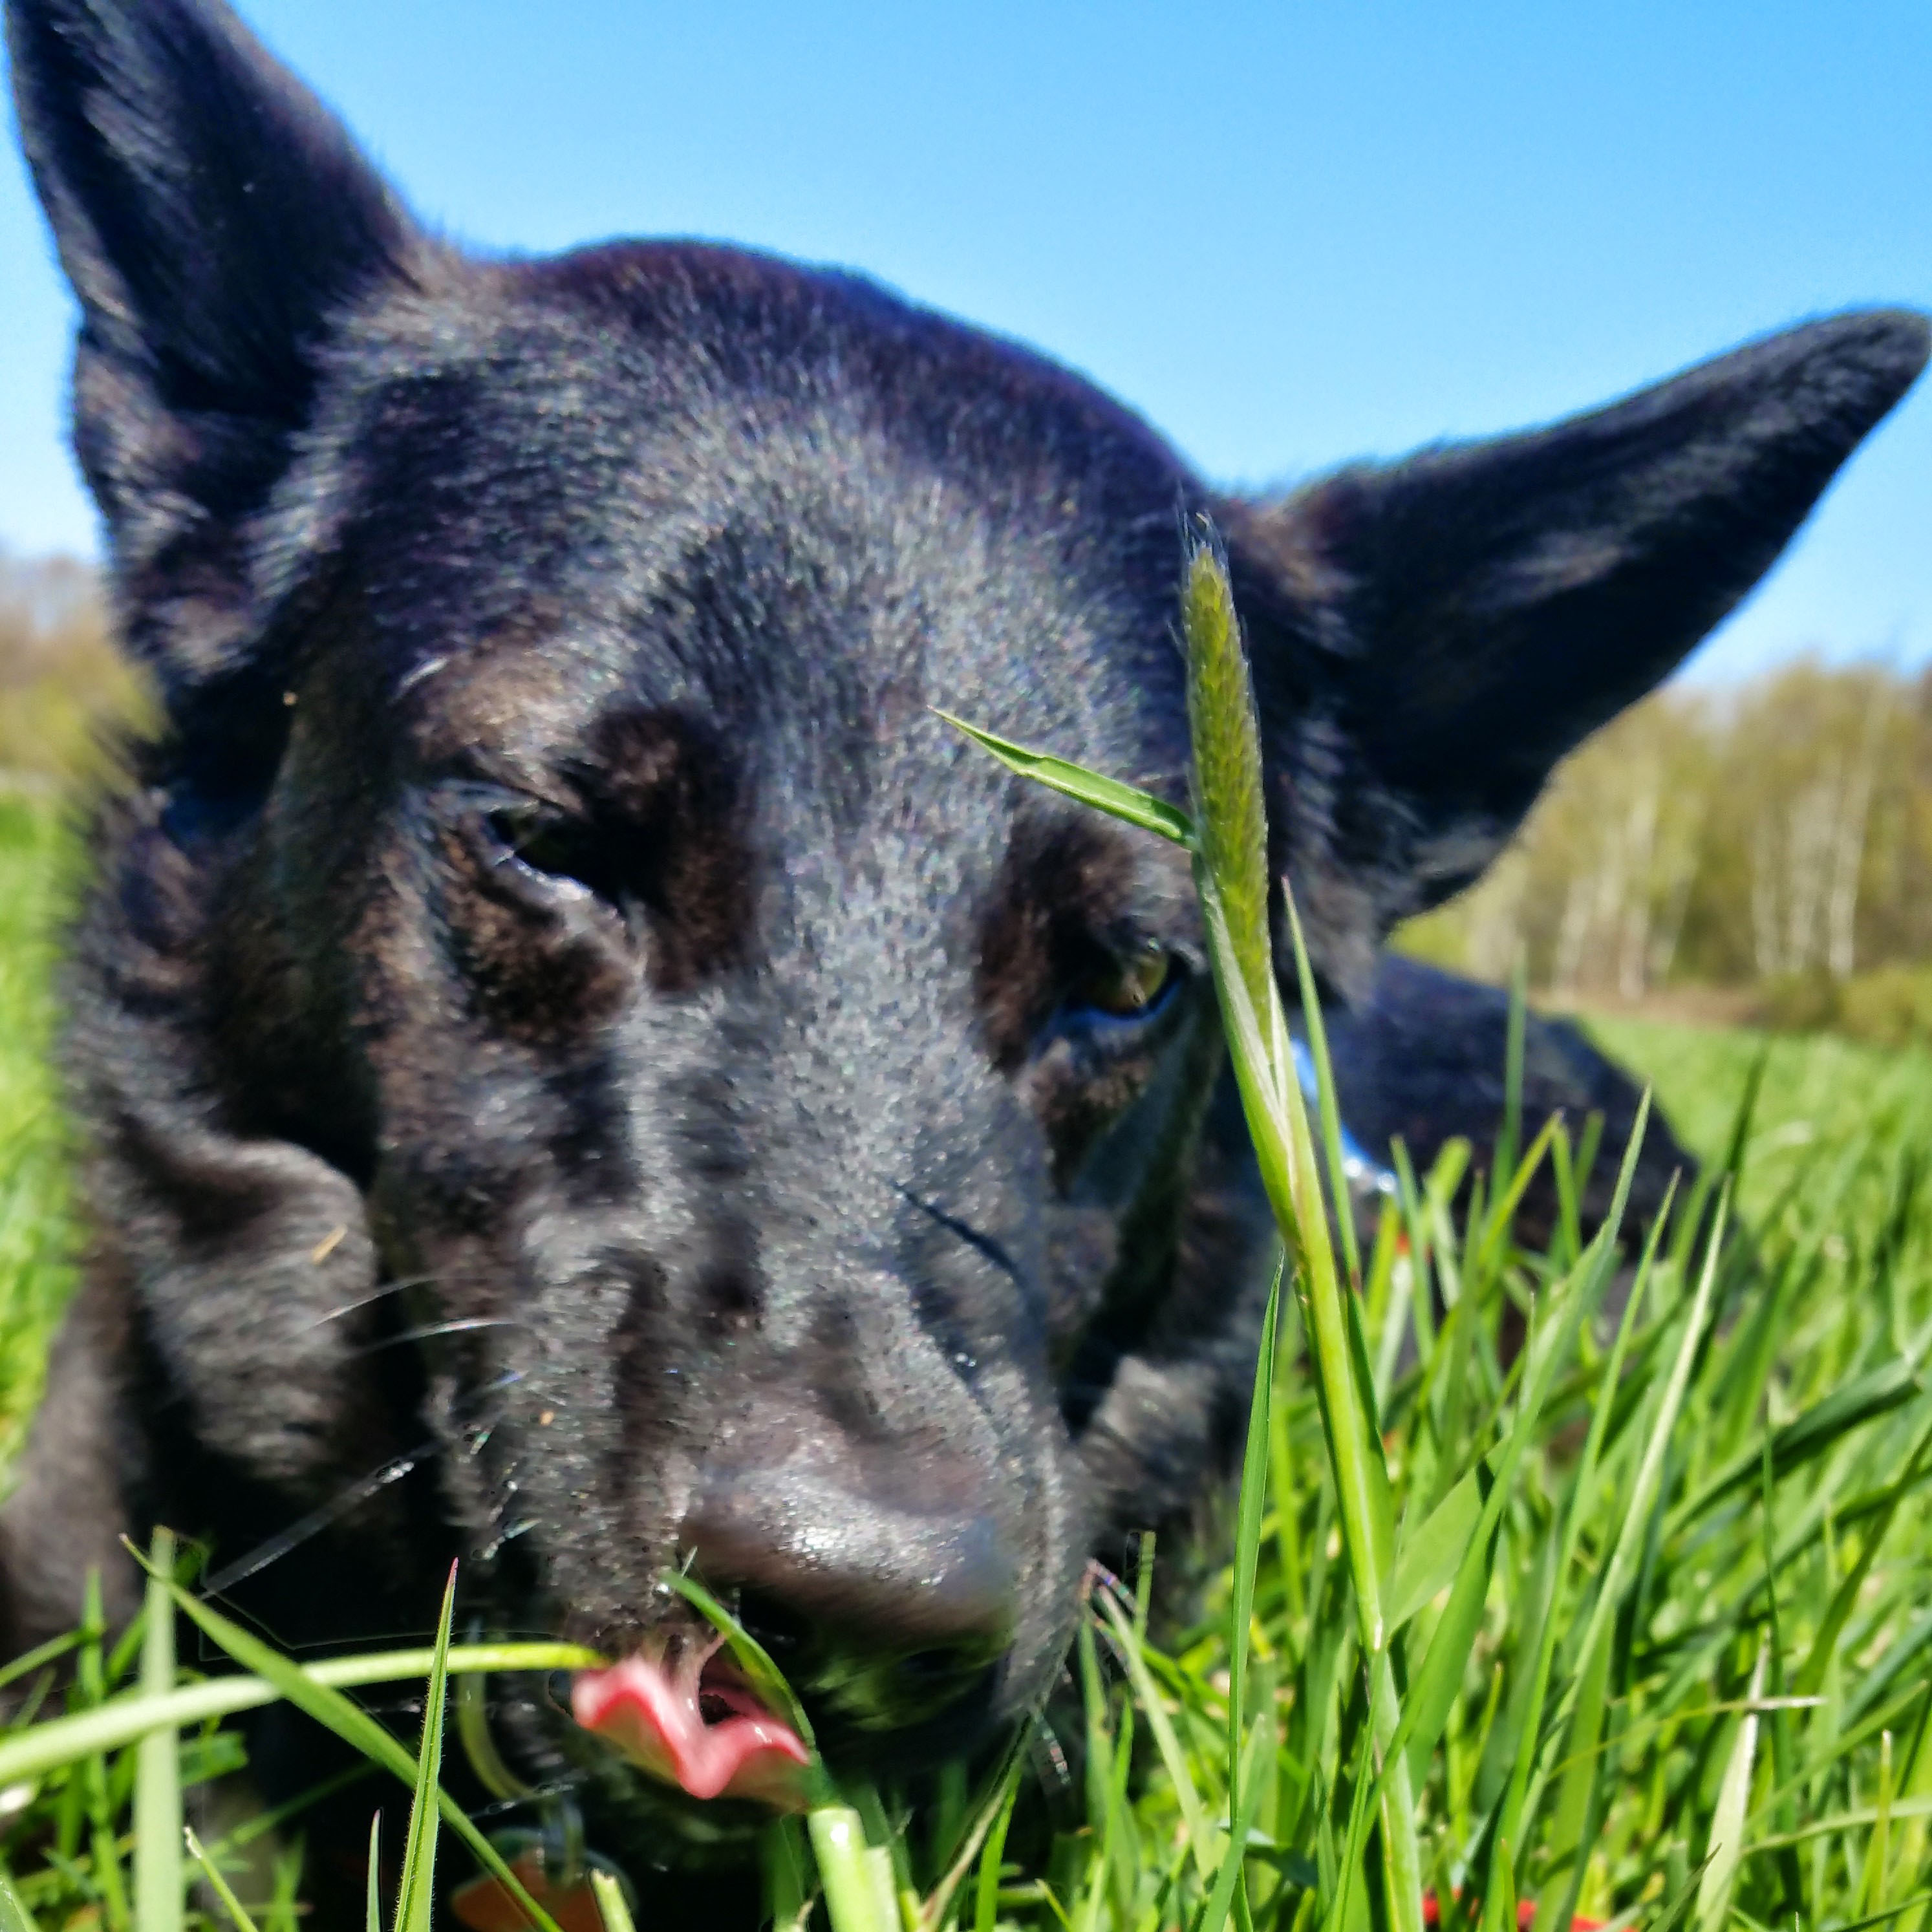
38,864
1824,1099
1636,1625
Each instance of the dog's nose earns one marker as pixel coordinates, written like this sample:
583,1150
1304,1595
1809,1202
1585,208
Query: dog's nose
881,1616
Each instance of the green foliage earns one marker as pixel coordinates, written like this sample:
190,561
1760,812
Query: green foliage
1811,1002
64,690
1891,1006
37,865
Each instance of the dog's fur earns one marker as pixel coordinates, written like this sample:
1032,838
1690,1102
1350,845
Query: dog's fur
1421,1057
579,1066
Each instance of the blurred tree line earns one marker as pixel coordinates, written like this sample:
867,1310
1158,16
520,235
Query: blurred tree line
1778,833
63,687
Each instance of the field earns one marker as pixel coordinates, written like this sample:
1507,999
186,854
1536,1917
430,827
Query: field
1655,1617
35,863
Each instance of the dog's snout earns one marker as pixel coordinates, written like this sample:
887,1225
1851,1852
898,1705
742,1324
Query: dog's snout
881,1616
832,1555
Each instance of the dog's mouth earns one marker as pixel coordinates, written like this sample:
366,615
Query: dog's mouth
679,1710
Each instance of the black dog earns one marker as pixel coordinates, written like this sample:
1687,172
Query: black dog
580,1067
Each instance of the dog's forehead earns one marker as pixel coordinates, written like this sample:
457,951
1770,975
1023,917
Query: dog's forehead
784,501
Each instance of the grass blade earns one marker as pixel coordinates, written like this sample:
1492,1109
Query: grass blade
1119,801
1252,1508
1820,1428
1726,1844
750,1656
1433,1688
479,1747
612,1905
219,1885
1354,1439
42,1747
1426,1562
14,1916
1128,1647
374,1900
415,1901
1617,1576
1509,1140
1220,1901
330,1708
1518,1804
52,1651
158,1796
997,1797
846,1870
986,1892
1329,1111
91,1687
1433,1691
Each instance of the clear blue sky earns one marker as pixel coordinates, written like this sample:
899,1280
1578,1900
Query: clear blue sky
1289,234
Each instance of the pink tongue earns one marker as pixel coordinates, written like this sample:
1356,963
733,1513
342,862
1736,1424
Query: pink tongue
648,1707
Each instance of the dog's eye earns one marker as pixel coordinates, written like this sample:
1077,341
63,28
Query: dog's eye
1129,986
548,842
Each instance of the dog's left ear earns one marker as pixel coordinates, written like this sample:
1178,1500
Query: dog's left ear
1430,638
217,224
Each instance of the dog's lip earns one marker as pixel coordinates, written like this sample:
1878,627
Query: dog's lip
653,1708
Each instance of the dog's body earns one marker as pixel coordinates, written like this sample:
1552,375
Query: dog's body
581,1068
1421,1057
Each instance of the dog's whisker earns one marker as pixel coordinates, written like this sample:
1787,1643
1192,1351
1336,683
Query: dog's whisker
370,1299
272,1549
299,1532
472,1398
469,1412
286,1541
461,1324
421,673
522,1526
1052,1774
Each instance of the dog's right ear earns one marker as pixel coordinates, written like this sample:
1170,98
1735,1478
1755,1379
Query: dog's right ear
215,222
1432,636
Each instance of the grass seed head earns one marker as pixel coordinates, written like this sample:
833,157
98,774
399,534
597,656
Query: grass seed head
1227,777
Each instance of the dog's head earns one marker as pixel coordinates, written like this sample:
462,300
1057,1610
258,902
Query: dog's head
554,891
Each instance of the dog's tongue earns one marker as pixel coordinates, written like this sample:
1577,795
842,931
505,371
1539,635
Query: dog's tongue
682,1713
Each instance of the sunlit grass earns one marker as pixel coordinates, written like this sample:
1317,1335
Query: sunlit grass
37,861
